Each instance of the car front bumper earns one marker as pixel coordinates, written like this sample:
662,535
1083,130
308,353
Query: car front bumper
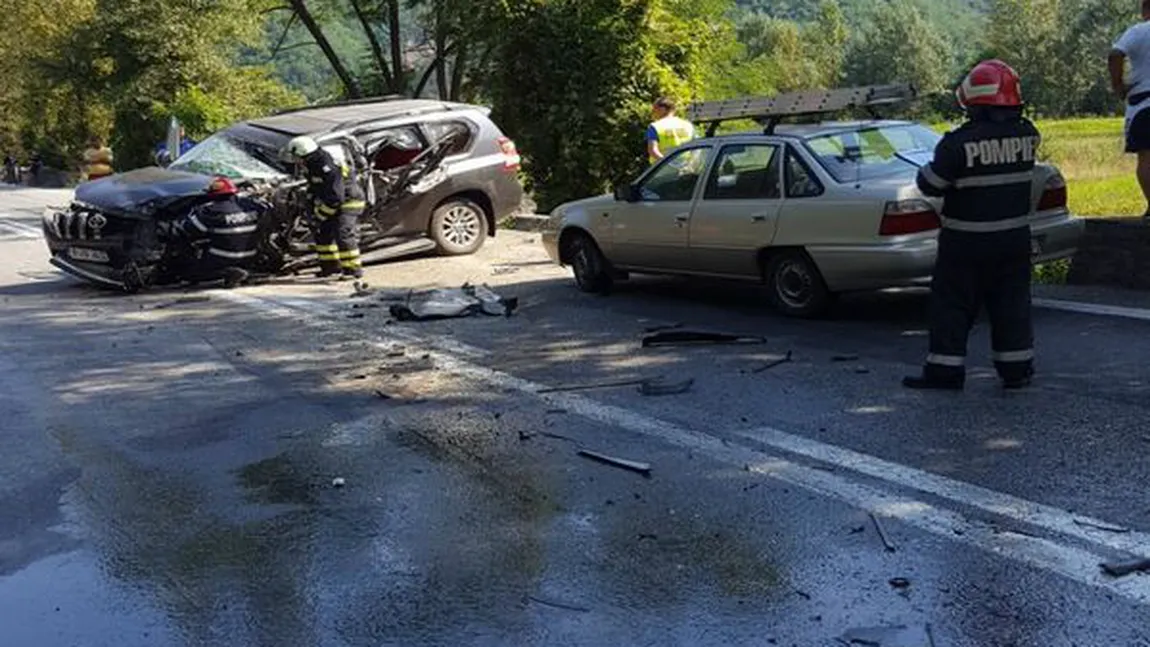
550,240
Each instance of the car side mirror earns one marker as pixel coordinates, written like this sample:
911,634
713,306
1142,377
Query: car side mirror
627,193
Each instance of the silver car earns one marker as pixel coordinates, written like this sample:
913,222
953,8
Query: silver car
812,210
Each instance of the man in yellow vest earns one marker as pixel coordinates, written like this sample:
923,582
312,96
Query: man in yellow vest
667,131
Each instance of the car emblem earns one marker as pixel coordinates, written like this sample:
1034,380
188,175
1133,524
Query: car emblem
97,222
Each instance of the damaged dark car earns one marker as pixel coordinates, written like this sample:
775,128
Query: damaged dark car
438,177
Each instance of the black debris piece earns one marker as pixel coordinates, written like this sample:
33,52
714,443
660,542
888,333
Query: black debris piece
634,466
770,365
1121,568
698,337
661,387
845,358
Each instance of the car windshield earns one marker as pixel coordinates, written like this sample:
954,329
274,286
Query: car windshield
871,152
227,155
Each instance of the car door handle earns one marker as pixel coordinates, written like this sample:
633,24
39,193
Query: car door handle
759,218
681,219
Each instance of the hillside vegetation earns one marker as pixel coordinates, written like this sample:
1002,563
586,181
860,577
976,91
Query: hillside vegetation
570,80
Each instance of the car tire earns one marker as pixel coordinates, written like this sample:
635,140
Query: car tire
795,285
591,268
458,227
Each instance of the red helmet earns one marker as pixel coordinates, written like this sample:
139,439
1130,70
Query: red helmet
991,83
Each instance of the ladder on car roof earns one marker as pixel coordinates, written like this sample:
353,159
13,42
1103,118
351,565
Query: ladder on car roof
769,111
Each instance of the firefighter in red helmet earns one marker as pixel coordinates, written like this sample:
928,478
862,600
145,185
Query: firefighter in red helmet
983,171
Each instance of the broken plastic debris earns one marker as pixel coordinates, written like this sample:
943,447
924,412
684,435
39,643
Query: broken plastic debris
695,337
886,542
634,466
338,482
1122,568
662,387
452,303
770,365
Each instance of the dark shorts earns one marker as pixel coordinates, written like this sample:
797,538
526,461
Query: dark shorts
1138,134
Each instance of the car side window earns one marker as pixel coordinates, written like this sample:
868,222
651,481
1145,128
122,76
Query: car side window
800,180
676,177
745,172
461,132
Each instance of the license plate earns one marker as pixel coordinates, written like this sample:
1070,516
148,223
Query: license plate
90,255
1035,246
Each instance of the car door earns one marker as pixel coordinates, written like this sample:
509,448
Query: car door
652,231
738,212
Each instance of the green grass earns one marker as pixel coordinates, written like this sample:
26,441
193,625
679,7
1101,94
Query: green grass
1099,175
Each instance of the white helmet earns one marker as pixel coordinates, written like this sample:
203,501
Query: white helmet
302,146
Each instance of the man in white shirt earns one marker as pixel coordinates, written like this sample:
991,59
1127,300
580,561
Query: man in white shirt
1134,46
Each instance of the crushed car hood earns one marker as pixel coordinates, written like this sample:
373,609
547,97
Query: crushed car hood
127,191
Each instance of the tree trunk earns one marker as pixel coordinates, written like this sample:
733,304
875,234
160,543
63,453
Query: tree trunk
458,73
440,51
376,49
431,69
308,20
398,74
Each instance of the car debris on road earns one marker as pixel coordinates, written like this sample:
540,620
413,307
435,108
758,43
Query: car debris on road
634,466
450,303
698,337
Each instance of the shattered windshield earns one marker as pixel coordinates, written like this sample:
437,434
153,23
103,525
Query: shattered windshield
874,151
224,154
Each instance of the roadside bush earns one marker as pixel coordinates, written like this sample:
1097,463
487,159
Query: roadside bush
1053,273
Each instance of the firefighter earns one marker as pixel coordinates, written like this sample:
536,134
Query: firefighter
983,171
338,202
224,235
667,131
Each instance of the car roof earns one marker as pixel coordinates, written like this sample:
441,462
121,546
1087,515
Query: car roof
318,120
810,130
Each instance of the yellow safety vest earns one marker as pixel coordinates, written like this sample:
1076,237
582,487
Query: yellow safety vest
672,131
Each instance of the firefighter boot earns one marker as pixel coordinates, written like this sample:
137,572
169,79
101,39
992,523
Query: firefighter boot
936,378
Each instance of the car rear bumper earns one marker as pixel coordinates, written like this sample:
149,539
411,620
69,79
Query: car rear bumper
1058,237
869,267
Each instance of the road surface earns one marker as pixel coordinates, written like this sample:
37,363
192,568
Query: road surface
283,465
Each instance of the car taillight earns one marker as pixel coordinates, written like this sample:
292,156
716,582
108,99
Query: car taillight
511,158
1053,194
908,217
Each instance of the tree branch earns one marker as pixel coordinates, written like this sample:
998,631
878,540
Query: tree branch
283,36
376,48
275,9
435,64
313,28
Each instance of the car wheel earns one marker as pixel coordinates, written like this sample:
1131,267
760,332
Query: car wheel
591,268
458,227
796,286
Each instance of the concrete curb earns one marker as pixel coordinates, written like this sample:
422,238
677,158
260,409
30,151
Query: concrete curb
532,222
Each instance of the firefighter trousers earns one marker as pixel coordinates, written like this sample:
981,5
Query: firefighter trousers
337,243
973,271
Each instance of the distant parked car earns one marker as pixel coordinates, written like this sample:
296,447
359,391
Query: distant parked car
812,210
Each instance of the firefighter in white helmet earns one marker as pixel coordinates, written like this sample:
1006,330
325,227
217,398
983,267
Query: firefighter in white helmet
337,203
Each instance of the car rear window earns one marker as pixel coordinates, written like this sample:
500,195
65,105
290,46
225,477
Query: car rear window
871,152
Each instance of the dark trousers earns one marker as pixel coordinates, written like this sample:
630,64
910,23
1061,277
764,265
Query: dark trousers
976,270
337,242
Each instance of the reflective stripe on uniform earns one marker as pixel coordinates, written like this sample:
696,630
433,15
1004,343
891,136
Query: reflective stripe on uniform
197,224
1014,355
933,178
327,210
354,205
327,252
349,258
993,180
987,227
349,253
242,229
228,254
945,360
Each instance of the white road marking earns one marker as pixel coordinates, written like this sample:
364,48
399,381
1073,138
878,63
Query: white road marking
1094,308
18,229
1073,562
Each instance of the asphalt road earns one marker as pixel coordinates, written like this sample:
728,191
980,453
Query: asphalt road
281,465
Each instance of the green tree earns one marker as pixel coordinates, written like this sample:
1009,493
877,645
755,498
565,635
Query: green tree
573,81
898,44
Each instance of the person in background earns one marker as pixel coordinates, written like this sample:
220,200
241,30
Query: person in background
97,160
163,157
1134,46
667,131
11,171
35,165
